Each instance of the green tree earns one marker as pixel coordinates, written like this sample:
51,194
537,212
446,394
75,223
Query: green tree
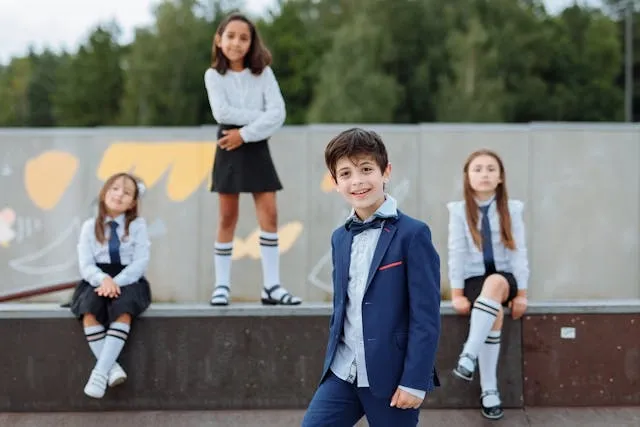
165,68
40,89
352,87
90,83
14,83
474,92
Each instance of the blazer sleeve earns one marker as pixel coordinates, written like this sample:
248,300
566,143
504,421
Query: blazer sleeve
519,256
423,274
456,244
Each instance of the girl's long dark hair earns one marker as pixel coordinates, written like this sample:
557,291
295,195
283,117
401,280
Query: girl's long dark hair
502,203
257,58
129,215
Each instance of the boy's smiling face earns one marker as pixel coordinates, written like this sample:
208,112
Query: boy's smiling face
361,183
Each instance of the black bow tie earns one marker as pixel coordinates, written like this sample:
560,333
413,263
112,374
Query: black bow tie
358,227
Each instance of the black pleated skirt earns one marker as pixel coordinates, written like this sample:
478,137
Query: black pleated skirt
247,169
134,299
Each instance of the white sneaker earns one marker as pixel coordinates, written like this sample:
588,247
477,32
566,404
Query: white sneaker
117,375
96,385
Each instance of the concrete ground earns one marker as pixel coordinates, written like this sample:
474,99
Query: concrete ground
552,417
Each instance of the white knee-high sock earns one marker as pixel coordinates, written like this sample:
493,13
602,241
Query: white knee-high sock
117,335
95,337
488,364
222,262
483,315
270,254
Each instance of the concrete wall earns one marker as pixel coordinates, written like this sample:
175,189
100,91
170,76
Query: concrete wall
246,356
580,184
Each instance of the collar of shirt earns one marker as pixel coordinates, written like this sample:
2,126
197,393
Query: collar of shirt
482,203
119,219
388,209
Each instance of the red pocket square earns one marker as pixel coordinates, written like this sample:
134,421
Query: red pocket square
391,265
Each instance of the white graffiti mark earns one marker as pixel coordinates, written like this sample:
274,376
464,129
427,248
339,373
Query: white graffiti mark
26,226
24,264
400,193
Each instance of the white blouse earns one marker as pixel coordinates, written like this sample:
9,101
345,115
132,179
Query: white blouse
244,99
134,251
466,260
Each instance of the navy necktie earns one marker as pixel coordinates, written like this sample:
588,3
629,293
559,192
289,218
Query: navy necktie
487,246
114,244
358,227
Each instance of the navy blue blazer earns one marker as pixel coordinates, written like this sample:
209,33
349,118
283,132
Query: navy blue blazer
400,308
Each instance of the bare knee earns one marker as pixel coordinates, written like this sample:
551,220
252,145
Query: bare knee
89,320
124,318
496,288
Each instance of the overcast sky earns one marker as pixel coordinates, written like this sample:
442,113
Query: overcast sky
66,23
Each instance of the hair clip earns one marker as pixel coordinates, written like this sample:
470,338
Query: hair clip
141,188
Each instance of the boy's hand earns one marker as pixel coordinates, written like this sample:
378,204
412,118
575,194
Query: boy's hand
461,304
108,288
518,306
231,139
404,400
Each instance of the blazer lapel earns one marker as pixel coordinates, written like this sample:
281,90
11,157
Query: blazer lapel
343,254
386,235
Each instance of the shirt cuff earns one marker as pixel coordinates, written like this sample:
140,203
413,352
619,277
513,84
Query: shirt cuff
420,394
97,279
243,134
457,284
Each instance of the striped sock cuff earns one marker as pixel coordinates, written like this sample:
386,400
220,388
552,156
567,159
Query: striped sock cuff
493,338
223,249
487,305
268,239
119,330
94,333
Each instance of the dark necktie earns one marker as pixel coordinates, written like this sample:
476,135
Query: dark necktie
487,246
114,244
356,227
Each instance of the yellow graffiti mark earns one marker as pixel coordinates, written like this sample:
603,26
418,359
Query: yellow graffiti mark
327,183
189,164
250,247
47,177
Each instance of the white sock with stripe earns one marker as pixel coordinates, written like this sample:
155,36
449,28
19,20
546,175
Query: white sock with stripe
483,316
117,335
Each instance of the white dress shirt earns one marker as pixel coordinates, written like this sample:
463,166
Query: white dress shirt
244,99
466,260
134,251
349,361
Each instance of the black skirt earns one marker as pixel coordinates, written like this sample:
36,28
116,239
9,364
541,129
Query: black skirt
134,299
247,169
473,286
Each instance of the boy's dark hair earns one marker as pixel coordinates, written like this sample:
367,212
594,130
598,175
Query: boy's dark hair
353,143
257,58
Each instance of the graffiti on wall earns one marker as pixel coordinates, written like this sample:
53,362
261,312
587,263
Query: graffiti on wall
48,183
46,177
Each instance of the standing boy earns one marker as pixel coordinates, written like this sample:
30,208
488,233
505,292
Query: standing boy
385,326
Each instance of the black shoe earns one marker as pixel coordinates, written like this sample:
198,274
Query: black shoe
462,372
285,299
491,412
